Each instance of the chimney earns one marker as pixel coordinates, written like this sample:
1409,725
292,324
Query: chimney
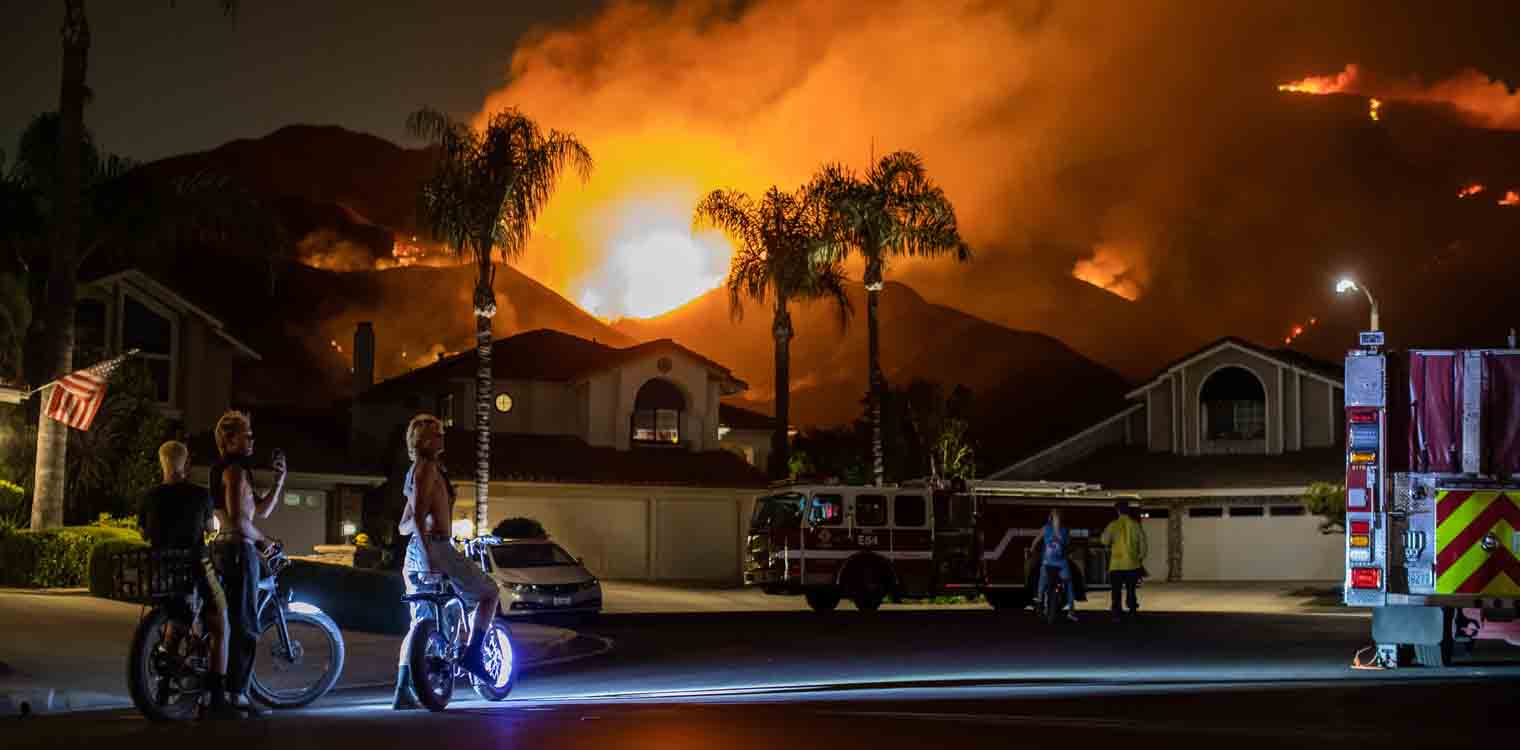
364,357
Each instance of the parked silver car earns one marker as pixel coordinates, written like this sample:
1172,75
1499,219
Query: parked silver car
538,577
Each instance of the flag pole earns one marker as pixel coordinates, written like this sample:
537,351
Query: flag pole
97,366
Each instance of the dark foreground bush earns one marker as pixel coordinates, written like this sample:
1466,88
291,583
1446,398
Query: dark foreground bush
356,599
519,528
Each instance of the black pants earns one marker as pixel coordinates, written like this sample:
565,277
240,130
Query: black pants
239,563
1127,580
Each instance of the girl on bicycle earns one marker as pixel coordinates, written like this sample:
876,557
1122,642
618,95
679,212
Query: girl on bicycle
1052,543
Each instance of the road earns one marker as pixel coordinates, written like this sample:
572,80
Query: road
913,678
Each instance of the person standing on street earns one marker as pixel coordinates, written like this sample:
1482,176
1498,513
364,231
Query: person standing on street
1126,558
240,547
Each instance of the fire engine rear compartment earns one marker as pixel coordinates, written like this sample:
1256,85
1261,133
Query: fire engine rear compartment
1433,497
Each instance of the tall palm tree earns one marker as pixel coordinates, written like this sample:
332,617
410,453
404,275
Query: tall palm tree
782,257
487,189
894,210
63,266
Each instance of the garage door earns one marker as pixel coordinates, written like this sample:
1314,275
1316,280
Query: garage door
697,540
609,534
1258,543
300,521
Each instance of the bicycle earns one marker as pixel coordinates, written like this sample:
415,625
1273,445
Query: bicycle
1053,597
438,639
167,675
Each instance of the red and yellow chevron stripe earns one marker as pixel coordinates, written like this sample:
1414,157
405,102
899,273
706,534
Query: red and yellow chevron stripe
1463,519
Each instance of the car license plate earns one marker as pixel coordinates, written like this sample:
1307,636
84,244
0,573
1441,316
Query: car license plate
561,601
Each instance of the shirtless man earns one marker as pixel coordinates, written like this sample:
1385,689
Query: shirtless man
240,545
429,506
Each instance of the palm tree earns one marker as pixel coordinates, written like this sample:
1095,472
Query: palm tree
894,210
487,189
62,287
782,257
121,211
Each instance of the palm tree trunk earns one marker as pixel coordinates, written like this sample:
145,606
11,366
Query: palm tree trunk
781,329
878,462
484,387
52,436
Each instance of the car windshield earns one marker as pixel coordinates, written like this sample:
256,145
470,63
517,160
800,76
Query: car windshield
530,556
779,511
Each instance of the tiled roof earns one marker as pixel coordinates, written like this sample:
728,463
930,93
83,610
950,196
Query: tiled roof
1135,468
568,459
542,354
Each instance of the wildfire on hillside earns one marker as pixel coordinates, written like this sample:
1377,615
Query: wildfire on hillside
1108,270
1486,101
1373,106
1470,190
1511,198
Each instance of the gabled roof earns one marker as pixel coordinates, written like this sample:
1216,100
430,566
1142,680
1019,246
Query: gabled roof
544,355
568,459
149,285
1294,360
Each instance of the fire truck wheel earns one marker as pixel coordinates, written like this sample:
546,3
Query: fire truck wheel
868,602
822,601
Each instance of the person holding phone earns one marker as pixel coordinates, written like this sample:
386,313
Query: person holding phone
240,547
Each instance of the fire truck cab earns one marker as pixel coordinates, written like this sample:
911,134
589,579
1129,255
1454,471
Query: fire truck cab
1433,498
831,542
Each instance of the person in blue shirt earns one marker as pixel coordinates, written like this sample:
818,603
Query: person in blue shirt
1051,545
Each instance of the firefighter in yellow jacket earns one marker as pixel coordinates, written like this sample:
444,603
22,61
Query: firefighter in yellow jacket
1126,558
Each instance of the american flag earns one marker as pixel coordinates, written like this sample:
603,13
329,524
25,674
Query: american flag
77,396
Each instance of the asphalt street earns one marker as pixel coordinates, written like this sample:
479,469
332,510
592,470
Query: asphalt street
911,679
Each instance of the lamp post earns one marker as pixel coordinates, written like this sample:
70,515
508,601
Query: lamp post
1347,285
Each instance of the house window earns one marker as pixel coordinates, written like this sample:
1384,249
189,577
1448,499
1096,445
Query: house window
446,409
1234,405
657,413
1247,511
1205,512
1157,513
89,331
152,333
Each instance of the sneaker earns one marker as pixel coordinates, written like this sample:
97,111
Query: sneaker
405,699
253,710
474,662
1071,615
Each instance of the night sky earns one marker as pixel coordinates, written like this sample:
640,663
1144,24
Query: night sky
1130,139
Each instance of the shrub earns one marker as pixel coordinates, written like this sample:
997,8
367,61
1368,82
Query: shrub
102,573
108,521
53,557
356,599
519,528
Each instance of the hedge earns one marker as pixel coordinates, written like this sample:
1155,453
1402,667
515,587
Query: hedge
356,599
54,557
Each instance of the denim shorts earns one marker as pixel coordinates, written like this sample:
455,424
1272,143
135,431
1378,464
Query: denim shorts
468,579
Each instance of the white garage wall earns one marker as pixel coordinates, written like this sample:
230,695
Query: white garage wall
300,521
631,532
1259,548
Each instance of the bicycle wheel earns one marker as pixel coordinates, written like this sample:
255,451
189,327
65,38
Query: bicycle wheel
157,675
432,672
295,674
500,662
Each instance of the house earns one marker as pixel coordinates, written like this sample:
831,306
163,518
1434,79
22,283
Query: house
621,452
1220,446
132,310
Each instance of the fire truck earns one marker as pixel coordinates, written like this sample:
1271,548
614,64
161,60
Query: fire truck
1433,497
831,542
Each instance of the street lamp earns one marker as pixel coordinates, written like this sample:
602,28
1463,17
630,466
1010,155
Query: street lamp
1347,285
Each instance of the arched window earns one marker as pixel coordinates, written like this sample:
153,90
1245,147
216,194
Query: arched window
657,413
1234,405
